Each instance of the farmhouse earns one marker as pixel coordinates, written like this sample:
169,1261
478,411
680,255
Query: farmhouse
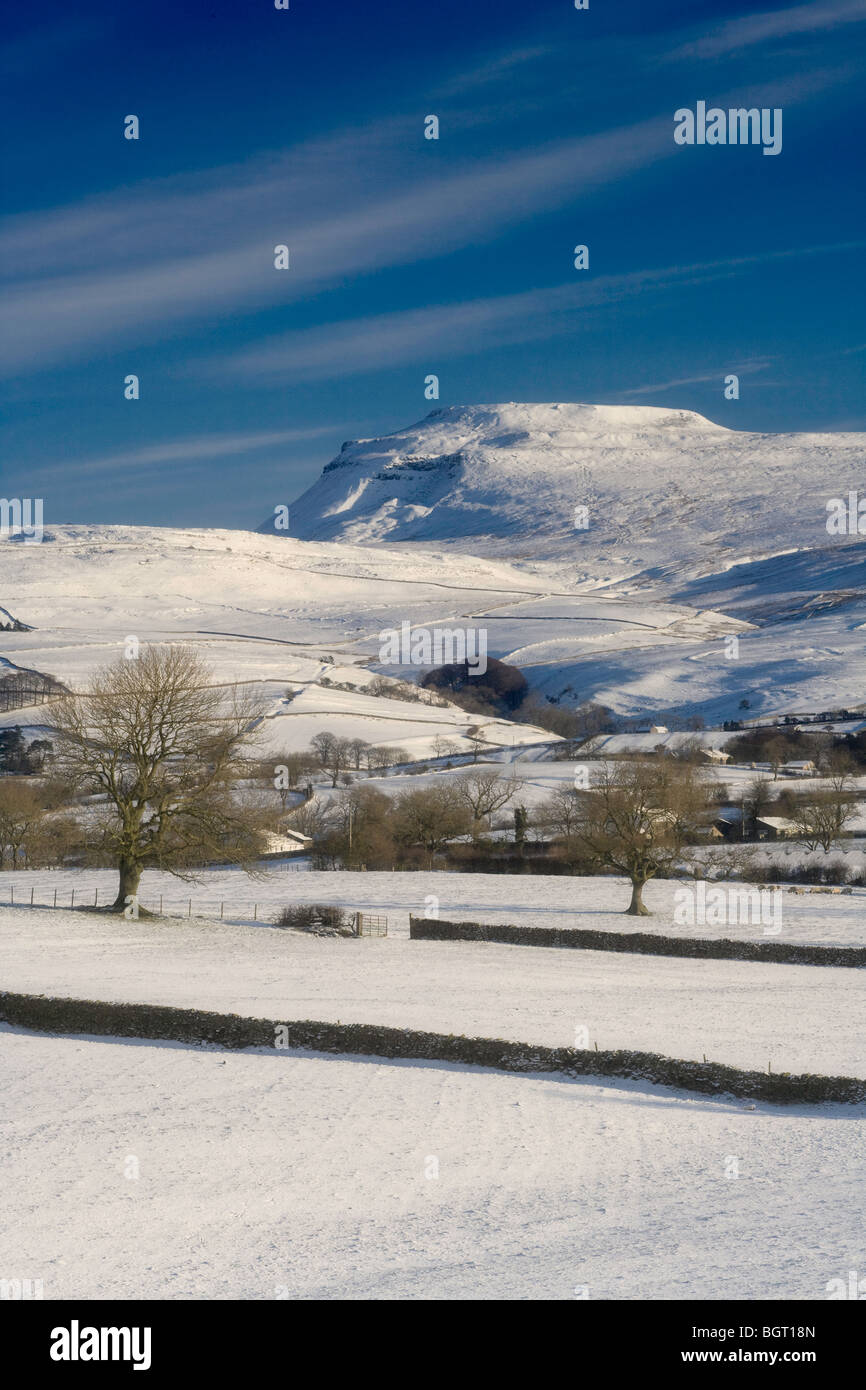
715,755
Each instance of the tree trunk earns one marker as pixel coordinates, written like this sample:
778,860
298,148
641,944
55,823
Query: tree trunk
636,907
130,877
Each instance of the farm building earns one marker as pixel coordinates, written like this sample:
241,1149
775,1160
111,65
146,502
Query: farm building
280,842
774,828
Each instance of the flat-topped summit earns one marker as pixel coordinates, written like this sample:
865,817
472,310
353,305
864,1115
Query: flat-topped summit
644,488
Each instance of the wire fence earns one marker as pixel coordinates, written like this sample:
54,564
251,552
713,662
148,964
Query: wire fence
159,904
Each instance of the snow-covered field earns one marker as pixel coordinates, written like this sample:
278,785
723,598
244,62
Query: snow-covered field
415,727
534,900
794,1018
273,1175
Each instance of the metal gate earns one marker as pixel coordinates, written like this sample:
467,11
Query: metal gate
367,925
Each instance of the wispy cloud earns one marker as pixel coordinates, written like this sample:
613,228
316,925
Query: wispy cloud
209,262
497,69
749,30
716,374
150,264
152,458
153,262
352,347
66,316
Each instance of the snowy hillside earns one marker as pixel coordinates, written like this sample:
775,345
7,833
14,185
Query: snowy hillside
285,611
282,614
667,491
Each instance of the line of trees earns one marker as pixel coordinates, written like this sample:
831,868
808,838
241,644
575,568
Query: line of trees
642,820
23,688
365,827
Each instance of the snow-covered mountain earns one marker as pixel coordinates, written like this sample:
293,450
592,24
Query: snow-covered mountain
669,495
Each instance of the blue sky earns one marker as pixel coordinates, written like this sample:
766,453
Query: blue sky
408,256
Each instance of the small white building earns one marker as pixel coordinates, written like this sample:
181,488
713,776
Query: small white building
715,755
286,842
804,768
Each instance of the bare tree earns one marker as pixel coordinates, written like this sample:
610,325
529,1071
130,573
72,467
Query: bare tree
821,817
22,813
381,757
162,747
638,818
560,815
362,832
758,797
444,747
356,749
55,839
333,754
776,752
314,818
482,792
430,817
476,740
321,746
376,758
